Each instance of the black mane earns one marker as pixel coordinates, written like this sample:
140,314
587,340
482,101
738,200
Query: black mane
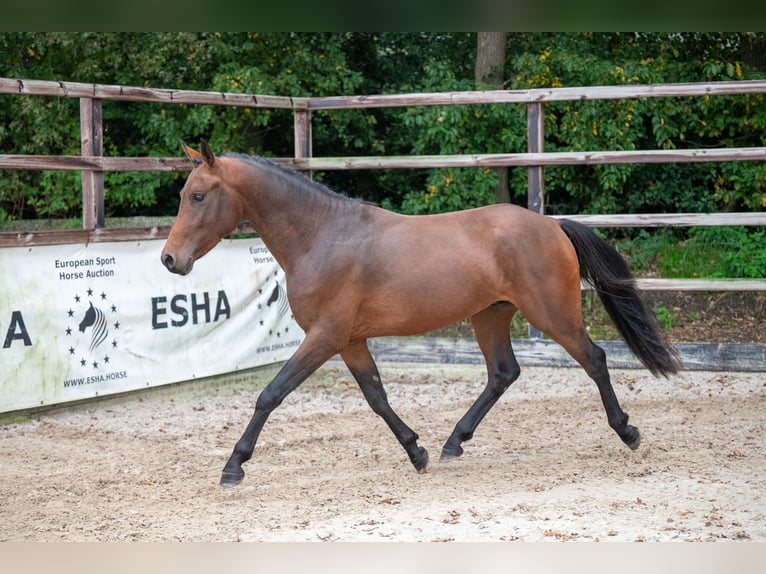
288,173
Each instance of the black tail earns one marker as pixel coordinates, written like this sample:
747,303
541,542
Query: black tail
608,273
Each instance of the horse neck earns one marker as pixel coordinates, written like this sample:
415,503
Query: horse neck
286,213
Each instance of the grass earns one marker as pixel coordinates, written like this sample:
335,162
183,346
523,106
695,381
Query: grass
699,252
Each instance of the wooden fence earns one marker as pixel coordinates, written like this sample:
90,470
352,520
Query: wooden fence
92,163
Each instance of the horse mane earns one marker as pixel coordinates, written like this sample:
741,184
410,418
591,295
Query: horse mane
290,174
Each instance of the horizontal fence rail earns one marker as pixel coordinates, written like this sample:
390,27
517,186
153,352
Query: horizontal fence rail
157,95
533,159
103,163
539,95
669,219
92,163
135,94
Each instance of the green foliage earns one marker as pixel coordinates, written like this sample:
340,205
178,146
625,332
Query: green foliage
735,252
699,252
327,64
643,249
665,317
280,64
564,60
665,123
459,130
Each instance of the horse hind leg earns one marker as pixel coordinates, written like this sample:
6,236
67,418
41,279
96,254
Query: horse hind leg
492,329
362,366
561,319
595,366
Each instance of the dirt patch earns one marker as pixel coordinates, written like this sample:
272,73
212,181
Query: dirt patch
543,465
719,317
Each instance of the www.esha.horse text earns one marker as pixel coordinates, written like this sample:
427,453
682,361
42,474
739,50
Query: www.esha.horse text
92,268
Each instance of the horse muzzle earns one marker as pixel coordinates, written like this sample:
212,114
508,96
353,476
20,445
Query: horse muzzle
174,266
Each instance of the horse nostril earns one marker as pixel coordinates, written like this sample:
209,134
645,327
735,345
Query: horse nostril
169,261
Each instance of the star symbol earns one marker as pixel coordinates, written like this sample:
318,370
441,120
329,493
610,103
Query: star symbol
89,292
76,298
70,313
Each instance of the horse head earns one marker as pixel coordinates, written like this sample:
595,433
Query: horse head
208,211
88,320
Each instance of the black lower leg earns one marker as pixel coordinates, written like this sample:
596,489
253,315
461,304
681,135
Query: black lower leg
617,418
376,397
232,473
268,400
492,327
362,366
294,372
497,384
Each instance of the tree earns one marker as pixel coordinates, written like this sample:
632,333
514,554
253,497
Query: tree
324,64
280,64
490,73
584,59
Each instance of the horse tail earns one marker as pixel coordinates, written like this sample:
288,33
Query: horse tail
604,268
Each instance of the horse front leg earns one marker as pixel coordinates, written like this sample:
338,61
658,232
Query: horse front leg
362,366
307,358
492,328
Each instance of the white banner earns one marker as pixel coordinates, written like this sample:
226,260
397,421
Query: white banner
79,321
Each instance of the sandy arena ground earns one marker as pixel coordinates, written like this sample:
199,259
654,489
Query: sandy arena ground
543,465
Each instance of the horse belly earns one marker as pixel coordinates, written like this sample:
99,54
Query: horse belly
420,300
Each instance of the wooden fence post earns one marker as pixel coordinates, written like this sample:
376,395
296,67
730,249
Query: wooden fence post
535,139
92,144
302,126
535,185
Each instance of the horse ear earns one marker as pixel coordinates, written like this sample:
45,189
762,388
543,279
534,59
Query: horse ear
190,153
207,153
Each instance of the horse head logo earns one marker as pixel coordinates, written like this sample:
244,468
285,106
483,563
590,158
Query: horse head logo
94,318
278,298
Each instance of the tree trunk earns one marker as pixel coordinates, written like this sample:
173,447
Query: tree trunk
752,50
489,73
490,59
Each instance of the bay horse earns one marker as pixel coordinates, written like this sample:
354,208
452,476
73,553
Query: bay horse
355,271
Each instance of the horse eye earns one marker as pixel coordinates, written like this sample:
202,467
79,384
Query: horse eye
198,197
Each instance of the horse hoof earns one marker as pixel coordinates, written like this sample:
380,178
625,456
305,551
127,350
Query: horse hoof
231,479
421,461
633,438
450,453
